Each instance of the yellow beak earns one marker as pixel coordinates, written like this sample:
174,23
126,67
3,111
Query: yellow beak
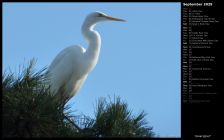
113,18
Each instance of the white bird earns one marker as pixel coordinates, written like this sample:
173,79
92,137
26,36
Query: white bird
71,66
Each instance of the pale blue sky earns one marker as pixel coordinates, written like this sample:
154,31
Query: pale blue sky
139,59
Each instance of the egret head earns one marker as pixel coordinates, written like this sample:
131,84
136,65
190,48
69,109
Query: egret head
97,16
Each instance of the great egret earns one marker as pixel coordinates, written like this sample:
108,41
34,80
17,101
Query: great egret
71,66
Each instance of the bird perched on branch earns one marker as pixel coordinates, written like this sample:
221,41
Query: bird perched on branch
71,66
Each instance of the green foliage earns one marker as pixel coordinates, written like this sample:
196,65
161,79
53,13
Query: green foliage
116,120
29,110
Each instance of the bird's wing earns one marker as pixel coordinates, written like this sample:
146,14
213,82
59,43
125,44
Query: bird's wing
63,67
64,53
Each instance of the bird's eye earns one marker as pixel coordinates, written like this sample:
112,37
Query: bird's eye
100,15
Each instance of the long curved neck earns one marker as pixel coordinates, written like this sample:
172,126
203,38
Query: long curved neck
94,42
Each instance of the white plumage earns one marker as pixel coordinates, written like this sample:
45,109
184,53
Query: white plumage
70,68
